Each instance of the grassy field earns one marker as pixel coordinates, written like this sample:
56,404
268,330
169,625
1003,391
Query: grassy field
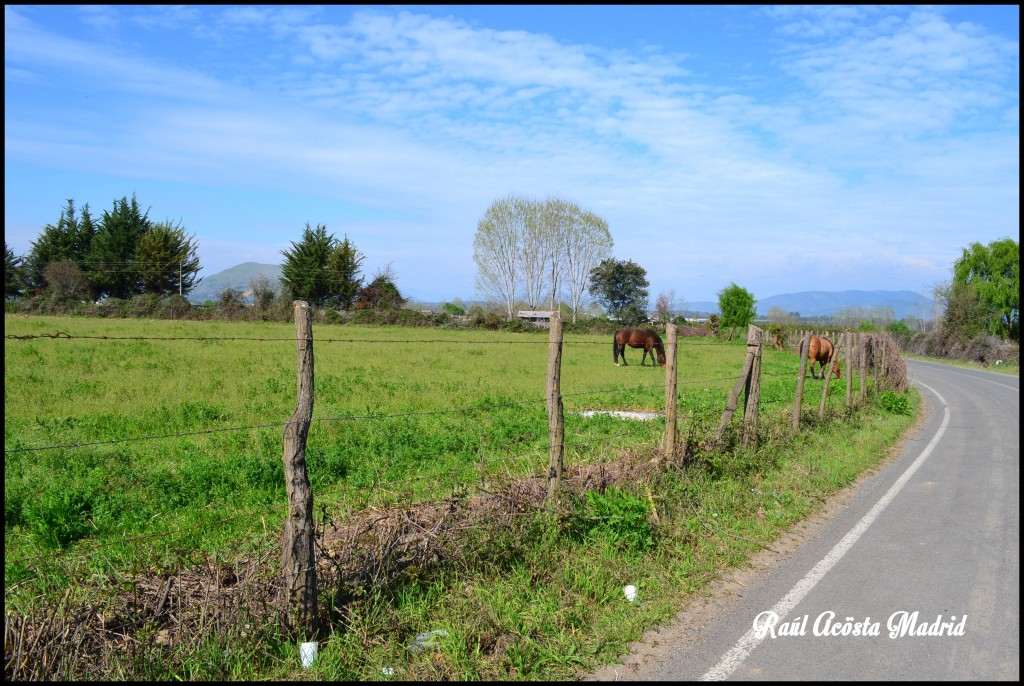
147,447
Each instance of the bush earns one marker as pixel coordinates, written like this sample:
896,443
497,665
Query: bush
176,307
113,307
452,308
898,327
895,403
145,305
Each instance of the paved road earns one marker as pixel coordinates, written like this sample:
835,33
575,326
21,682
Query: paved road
935,534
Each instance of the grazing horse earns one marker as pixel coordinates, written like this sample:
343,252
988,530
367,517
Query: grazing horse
638,338
821,351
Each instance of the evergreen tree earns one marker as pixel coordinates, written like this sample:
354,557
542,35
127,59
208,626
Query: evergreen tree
67,241
346,262
321,269
166,260
112,254
14,273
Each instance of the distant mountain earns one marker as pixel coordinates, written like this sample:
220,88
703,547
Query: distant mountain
807,303
826,304
236,277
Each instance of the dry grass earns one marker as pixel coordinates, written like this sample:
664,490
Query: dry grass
175,615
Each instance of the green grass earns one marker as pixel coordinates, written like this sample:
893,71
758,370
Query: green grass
401,415
1010,367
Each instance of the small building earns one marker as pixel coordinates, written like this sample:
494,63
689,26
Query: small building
540,318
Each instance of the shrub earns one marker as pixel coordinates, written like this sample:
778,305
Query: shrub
145,305
176,307
896,403
452,308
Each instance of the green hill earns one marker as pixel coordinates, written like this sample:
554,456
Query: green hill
236,277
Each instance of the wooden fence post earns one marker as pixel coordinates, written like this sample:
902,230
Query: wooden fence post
805,337
862,341
828,375
752,401
850,367
301,617
669,444
734,395
874,360
556,425
881,362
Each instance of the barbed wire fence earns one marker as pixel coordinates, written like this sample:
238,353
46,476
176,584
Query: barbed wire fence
400,531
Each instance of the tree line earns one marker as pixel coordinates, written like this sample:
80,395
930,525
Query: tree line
528,253
122,254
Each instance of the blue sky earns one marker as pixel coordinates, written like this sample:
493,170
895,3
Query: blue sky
780,148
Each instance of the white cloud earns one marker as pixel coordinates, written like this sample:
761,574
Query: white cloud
880,122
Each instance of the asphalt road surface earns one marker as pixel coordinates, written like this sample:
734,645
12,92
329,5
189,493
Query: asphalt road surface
912,575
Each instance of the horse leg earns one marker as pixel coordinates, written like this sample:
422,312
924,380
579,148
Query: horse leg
643,360
620,351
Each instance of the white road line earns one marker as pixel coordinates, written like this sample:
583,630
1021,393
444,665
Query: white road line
952,370
739,652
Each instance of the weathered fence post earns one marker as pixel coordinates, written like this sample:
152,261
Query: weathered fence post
862,341
556,419
669,445
734,395
850,367
301,617
828,375
752,400
881,363
875,338
805,337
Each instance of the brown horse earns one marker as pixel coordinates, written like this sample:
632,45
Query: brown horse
647,339
821,351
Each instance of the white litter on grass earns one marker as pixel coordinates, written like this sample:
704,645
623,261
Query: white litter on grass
388,671
624,414
307,653
630,592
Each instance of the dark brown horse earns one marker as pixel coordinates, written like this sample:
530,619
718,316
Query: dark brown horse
647,339
821,352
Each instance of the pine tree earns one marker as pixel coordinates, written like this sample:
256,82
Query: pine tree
112,254
166,260
322,270
67,241
14,274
